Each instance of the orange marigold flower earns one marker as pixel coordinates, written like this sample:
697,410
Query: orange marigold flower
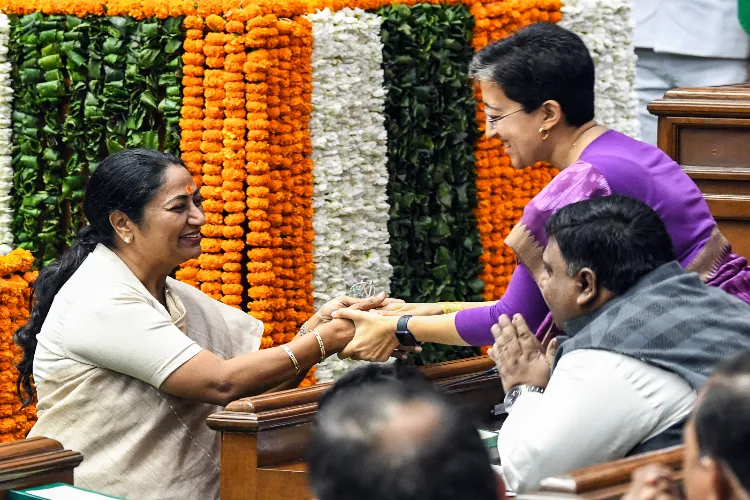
232,267
234,206
215,23
189,124
213,206
192,61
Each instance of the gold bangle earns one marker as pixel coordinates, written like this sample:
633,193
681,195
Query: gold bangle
292,357
451,307
322,346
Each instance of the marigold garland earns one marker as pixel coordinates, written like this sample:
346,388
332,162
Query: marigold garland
503,191
15,276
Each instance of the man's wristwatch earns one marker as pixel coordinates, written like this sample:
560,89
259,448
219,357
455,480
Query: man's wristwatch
514,393
404,336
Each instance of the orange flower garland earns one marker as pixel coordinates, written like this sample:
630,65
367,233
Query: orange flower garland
192,119
233,140
211,261
15,295
503,191
263,300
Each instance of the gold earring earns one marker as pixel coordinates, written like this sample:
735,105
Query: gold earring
545,133
127,240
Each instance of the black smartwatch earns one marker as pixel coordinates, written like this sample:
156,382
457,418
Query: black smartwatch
404,336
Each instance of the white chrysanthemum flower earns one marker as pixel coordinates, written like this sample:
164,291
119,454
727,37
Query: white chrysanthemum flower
606,27
347,130
6,133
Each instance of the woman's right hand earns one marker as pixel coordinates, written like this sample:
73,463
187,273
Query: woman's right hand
410,308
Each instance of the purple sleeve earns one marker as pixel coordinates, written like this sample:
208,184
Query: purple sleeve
522,296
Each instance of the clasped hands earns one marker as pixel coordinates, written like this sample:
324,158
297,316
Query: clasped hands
520,357
373,335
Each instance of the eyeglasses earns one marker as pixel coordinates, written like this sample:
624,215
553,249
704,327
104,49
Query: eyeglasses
498,118
493,121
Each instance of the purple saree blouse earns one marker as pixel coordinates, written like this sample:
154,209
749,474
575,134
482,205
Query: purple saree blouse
612,163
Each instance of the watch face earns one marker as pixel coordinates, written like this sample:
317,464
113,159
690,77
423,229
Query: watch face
512,395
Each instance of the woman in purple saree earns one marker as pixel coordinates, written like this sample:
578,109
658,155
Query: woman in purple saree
538,92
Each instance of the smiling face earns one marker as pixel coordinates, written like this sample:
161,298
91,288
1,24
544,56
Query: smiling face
170,231
519,132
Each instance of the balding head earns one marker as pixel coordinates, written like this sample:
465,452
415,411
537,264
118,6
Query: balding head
717,437
397,440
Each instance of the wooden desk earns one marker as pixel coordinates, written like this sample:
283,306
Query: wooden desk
707,131
35,462
608,481
263,438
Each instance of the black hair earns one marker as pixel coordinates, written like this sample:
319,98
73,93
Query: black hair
125,181
352,453
621,239
538,63
722,416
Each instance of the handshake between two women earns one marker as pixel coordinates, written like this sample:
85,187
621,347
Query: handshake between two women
371,323
384,327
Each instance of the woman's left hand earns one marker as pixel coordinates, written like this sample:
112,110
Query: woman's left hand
374,337
324,314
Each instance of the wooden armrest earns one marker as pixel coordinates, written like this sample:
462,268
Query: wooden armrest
611,473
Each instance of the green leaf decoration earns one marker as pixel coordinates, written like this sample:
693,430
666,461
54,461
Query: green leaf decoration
84,88
430,108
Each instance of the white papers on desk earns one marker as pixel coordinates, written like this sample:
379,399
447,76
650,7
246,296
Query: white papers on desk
66,493
499,470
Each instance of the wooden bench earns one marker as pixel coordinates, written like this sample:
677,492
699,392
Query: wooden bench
263,438
707,131
608,481
35,462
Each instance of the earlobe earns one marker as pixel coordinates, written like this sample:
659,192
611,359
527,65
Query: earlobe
588,287
120,222
552,113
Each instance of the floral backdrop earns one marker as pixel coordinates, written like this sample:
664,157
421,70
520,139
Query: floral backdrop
333,141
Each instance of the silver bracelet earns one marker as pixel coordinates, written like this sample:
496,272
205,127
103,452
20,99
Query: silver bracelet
292,357
321,345
302,329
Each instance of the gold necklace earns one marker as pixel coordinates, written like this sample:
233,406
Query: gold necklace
580,134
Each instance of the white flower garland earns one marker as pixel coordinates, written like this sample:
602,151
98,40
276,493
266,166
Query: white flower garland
606,27
347,128
6,172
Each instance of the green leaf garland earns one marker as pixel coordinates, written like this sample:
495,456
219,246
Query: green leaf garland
85,87
435,245
29,197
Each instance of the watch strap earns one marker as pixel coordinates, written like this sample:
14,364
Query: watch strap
403,335
402,325
516,392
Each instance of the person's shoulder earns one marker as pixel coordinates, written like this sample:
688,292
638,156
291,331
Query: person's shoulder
90,292
614,153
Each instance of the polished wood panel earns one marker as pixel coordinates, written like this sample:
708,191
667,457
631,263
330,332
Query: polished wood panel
264,438
707,131
608,481
35,462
